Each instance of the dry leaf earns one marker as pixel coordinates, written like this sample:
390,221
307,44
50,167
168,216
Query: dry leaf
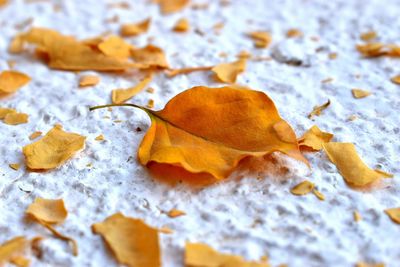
293,33
3,3
53,149
378,50
209,130
14,118
166,230
182,25
115,47
396,79
368,36
20,261
356,216
14,166
132,242
66,53
133,29
318,194
88,80
317,110
35,135
5,111
174,72
119,96
12,248
228,72
394,214
201,255
261,39
364,264
151,56
100,138
172,6
302,188
350,165
175,213
358,93
11,81
50,211
314,138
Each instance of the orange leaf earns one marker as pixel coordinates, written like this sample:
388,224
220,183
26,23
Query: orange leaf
134,29
121,95
182,25
209,130
172,6
150,56
116,47
132,242
314,138
88,80
261,39
14,118
12,248
11,81
227,72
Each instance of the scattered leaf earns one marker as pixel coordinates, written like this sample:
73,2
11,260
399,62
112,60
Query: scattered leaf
394,214
384,174
20,261
318,194
302,188
56,147
166,230
172,6
5,111
209,130
182,25
151,56
35,135
201,255
378,50
358,93
261,39
350,165
115,47
368,36
174,72
175,213
99,138
357,216
396,79
228,72
15,118
12,248
364,264
317,110
119,96
88,80
11,81
293,33
133,29
150,103
14,166
333,56
132,242
314,138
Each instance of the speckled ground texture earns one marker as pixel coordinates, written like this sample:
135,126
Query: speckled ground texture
252,213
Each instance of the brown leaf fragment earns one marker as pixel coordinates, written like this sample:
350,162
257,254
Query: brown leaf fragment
132,242
14,166
302,188
228,72
359,93
5,111
12,248
317,110
88,80
11,81
182,25
172,6
357,216
150,56
294,33
378,50
261,39
318,194
314,138
394,214
396,79
99,138
56,147
201,255
35,135
15,118
119,96
20,261
175,213
134,29
368,36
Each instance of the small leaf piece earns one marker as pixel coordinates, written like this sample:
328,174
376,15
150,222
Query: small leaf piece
357,216
5,111
175,213
133,29
368,36
201,255
53,149
261,39
394,214
14,118
50,211
302,188
116,47
88,80
172,6
359,93
396,79
314,138
150,56
12,248
350,165
227,72
182,25
132,242
11,81
119,96
317,110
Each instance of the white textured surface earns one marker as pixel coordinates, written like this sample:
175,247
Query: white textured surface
300,231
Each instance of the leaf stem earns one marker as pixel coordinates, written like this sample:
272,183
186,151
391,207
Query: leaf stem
119,105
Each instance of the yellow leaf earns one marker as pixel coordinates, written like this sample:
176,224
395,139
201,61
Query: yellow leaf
132,242
350,165
3,3
317,110
210,130
175,72
35,135
12,248
227,72
175,213
11,81
20,261
14,166
364,264
119,96
394,214
53,149
182,25
261,39
133,29
314,138
318,194
378,50
100,138
48,210
293,33
201,255
396,79
116,47
66,53
172,6
88,80
302,188
357,216
368,36
5,111
150,56
358,93
15,118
